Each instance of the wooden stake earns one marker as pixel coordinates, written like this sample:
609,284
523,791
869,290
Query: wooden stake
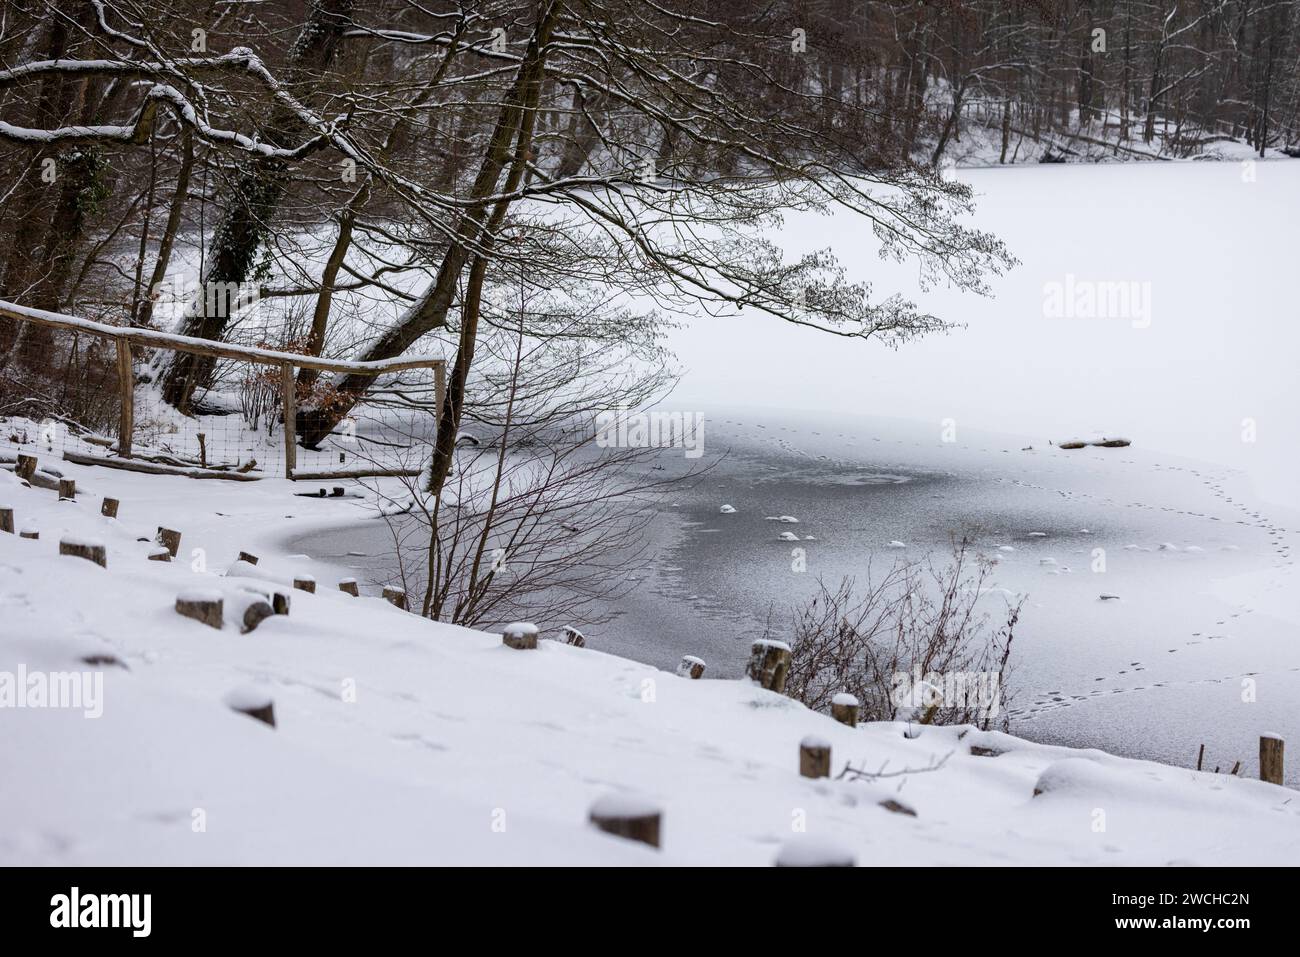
253,703
170,538
78,548
305,583
815,757
202,606
245,557
160,554
690,667
26,467
395,596
6,519
67,489
844,709
1270,758
109,508
628,817
125,385
203,450
349,586
769,662
521,635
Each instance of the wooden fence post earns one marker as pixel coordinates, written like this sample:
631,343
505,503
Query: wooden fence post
288,386
815,757
1270,758
126,383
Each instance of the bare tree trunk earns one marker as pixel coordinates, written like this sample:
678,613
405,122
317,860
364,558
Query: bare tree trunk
168,239
250,207
514,125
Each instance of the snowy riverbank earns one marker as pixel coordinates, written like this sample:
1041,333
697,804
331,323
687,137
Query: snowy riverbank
400,740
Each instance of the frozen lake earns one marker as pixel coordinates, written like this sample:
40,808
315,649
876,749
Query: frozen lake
1153,674
1201,571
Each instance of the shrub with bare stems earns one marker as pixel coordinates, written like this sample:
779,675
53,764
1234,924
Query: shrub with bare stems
914,642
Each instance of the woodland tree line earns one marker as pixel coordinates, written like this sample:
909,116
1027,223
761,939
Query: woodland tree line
592,164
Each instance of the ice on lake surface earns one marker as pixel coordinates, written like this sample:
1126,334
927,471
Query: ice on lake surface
1152,674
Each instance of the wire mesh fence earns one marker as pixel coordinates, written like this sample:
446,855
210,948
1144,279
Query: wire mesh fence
69,387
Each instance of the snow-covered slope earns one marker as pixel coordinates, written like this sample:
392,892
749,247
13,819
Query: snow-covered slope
400,740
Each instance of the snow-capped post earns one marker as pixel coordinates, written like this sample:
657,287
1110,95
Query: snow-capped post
160,553
690,667
246,557
84,548
280,602
6,519
67,489
305,583
627,816
769,662
396,596
520,634
252,702
108,508
204,606
349,586
807,850
26,467
815,757
29,533
170,539
1270,758
572,636
844,709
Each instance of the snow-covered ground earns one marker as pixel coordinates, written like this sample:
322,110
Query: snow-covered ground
398,740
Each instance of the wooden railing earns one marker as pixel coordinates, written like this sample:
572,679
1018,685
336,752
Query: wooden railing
125,337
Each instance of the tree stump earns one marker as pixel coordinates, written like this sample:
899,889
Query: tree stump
809,851
67,490
395,596
628,817
84,548
690,667
349,586
246,557
252,702
815,757
572,636
204,606
769,662
305,583
26,467
159,554
29,533
170,538
1270,758
108,508
844,709
7,519
521,635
